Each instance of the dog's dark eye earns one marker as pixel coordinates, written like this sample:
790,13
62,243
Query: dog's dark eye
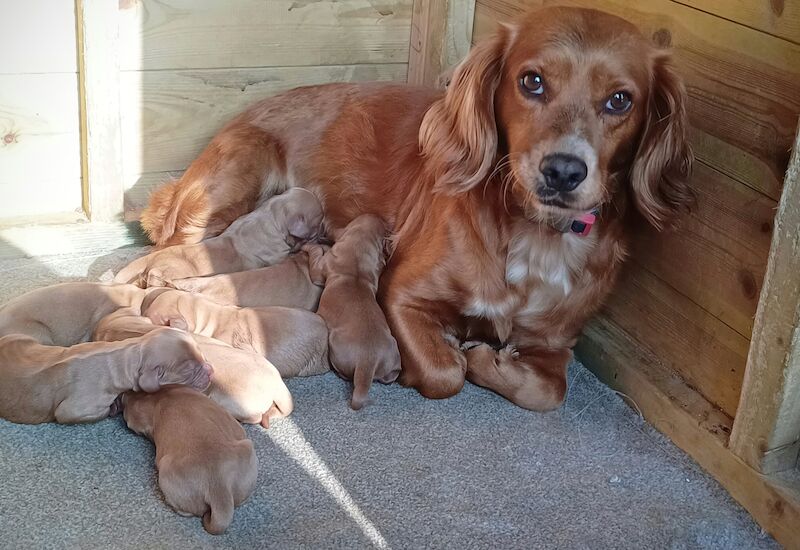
619,102
532,83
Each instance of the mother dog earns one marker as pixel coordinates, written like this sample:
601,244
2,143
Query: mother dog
510,195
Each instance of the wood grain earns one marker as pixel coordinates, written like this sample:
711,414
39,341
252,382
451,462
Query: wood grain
766,434
441,35
101,140
778,17
742,83
169,116
718,254
684,338
189,34
692,423
40,170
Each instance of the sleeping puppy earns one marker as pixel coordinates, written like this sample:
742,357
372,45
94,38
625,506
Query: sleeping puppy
50,371
361,347
245,384
263,237
206,465
294,340
286,284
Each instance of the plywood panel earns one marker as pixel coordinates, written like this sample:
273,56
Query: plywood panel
778,17
683,337
39,144
37,36
169,116
742,83
184,34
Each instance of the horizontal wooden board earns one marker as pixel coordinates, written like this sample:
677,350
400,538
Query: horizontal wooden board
169,116
704,351
39,144
37,36
743,83
778,17
718,254
692,423
189,34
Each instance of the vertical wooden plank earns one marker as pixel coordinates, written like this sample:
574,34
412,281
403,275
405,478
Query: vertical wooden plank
766,433
101,143
441,34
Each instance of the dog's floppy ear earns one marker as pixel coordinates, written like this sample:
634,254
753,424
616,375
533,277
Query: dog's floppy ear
660,172
458,135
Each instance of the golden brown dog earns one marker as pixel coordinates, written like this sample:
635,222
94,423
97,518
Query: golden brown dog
294,340
245,384
50,371
286,284
263,237
511,195
361,347
206,465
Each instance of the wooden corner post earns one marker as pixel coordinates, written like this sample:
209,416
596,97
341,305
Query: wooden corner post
766,431
441,36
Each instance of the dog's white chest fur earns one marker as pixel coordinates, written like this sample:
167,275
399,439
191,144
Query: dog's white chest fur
546,266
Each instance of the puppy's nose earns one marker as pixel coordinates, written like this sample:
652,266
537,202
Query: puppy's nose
563,172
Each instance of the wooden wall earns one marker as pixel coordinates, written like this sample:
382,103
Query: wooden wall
40,170
188,66
688,297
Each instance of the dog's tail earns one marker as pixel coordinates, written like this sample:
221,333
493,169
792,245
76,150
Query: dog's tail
220,514
362,381
176,213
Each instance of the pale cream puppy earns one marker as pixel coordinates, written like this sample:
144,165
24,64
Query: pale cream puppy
286,284
263,237
294,340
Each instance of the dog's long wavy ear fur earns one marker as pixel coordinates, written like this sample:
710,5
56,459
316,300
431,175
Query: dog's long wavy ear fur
660,172
458,135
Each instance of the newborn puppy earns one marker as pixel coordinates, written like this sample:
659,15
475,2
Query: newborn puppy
245,384
294,340
263,237
49,371
286,284
206,465
361,347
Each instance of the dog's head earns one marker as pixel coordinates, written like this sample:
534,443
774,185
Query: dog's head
569,104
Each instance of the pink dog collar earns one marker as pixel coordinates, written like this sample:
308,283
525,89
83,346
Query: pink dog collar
582,226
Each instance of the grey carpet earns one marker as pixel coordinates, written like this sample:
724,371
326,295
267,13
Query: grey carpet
468,472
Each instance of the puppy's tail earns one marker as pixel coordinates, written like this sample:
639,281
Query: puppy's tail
177,213
362,381
220,514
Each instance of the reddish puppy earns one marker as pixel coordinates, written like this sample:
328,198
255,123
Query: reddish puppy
491,189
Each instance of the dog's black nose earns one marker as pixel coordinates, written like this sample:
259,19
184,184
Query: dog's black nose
563,172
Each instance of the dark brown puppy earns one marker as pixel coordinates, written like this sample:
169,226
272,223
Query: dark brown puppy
360,346
206,465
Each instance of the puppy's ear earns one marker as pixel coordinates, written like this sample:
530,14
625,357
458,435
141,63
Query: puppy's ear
660,172
458,135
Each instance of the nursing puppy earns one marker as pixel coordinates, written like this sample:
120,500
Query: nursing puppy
246,385
294,340
206,465
263,237
50,371
286,284
361,347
